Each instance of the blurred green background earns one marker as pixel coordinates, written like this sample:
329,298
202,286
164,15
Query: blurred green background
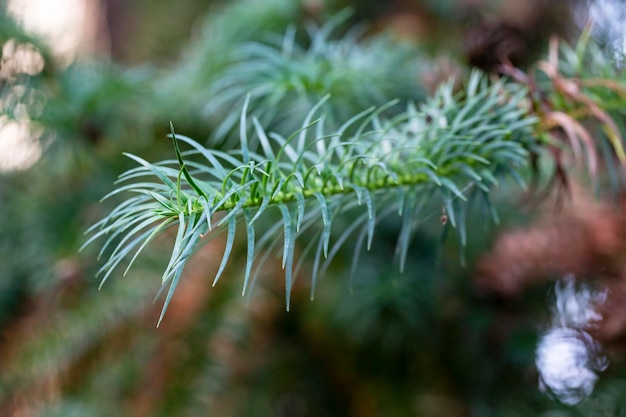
429,342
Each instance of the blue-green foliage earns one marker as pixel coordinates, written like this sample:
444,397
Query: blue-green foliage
437,151
285,76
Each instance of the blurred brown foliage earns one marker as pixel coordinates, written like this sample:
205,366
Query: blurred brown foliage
584,237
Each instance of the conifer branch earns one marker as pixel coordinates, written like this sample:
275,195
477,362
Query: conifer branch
434,152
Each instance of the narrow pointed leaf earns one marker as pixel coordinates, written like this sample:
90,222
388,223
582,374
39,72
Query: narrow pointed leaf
250,250
230,239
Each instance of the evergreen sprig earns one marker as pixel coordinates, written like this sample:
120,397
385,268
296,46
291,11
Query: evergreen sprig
577,94
435,152
286,75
